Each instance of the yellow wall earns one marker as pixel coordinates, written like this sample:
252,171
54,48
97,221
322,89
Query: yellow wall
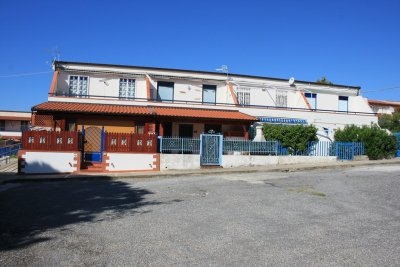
120,126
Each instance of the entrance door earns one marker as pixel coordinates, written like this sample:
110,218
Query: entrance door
186,130
93,149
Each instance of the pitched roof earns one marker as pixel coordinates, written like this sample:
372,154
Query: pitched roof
60,65
106,109
383,102
91,108
202,113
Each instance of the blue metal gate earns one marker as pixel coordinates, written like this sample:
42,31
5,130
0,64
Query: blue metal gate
397,135
93,144
211,149
345,150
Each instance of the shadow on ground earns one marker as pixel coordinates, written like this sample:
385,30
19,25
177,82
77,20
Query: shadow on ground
32,208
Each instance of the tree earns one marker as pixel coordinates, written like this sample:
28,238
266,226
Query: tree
390,121
323,80
294,137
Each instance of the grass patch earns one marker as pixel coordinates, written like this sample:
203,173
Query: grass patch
307,190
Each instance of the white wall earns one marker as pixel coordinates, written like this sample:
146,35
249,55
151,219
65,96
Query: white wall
179,162
187,161
49,162
130,162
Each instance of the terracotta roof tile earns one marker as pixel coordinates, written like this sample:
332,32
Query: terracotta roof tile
203,113
91,108
143,110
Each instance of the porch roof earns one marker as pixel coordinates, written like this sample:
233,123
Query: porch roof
202,113
176,112
69,107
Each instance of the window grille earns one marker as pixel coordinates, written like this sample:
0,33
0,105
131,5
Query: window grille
281,98
243,96
78,85
127,88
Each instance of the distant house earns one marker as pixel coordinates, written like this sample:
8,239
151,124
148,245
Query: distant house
12,123
384,107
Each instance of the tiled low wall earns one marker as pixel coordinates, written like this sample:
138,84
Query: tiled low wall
119,162
31,162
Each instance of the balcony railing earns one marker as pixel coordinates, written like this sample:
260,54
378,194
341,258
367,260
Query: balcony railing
178,101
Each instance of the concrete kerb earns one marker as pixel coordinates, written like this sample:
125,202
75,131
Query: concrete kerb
18,178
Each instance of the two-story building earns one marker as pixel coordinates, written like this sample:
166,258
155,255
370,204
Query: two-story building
186,103
12,123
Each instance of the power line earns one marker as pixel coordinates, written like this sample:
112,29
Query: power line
382,89
24,74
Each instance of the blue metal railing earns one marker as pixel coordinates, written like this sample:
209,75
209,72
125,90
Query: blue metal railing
179,145
11,150
251,147
397,135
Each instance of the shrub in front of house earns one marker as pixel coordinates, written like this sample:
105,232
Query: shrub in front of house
295,138
378,143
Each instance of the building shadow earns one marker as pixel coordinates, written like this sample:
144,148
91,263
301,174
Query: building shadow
32,208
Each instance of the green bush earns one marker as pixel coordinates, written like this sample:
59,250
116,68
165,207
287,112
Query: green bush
294,137
378,143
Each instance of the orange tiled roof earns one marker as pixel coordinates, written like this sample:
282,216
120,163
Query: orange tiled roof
202,113
384,102
143,110
91,108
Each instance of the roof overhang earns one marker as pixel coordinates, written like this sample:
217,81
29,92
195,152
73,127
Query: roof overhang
151,111
274,120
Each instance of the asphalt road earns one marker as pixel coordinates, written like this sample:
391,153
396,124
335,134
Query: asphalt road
331,217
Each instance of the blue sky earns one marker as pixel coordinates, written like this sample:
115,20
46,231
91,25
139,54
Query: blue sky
351,42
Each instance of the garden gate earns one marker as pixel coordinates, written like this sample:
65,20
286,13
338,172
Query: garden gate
211,149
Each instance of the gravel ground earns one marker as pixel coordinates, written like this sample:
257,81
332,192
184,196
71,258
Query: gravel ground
348,217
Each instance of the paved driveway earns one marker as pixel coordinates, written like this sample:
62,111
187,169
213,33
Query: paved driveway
335,217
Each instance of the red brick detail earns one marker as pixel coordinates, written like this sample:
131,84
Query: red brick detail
77,162
156,162
21,161
235,100
106,164
54,83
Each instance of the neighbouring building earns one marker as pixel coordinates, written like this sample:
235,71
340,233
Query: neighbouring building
384,107
12,123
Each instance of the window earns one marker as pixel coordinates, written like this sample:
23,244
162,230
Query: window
281,98
209,93
243,96
165,91
2,125
139,128
312,100
24,125
78,85
71,125
126,88
343,103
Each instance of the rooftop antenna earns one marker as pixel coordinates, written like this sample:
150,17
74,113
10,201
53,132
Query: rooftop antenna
56,54
224,69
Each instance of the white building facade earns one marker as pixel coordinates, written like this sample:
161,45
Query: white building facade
270,100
